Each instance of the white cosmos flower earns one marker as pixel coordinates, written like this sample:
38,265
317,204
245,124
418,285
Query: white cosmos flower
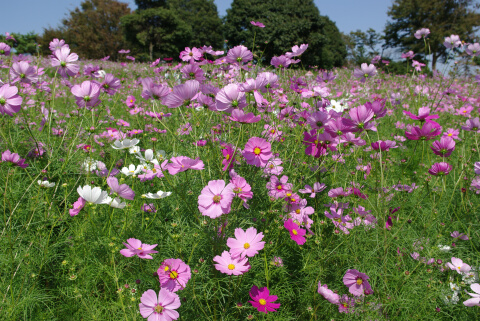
157,195
117,203
126,143
444,248
338,106
89,164
131,170
93,195
149,158
46,184
134,150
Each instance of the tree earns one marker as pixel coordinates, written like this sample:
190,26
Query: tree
93,30
442,17
362,46
26,43
288,22
202,16
157,32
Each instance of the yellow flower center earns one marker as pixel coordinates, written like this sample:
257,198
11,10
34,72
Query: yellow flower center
139,249
166,268
279,187
217,198
273,131
231,267
257,151
297,211
246,246
294,232
262,302
173,275
450,134
359,281
289,194
227,157
158,309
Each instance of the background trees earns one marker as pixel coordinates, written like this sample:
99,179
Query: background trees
288,22
442,17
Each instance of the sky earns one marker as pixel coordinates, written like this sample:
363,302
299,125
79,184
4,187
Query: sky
23,16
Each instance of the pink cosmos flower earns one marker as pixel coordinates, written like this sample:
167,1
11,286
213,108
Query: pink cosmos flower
408,55
87,94
458,235
64,61
174,274
239,116
459,266
23,72
365,72
297,51
110,84
417,65
273,167
262,300
384,146
136,247
4,49
357,283
360,119
346,304
257,152
344,223
229,152
121,190
193,72
245,243
161,308
215,199
182,163
57,44
423,114
475,300
239,54
77,207
472,125
240,188
424,32
278,188
257,24
444,147
14,158
182,94
9,100
452,42
473,49
231,266
296,233
317,188
280,61
328,294
189,54
152,90
130,101
230,97
441,168
453,133
429,130
476,168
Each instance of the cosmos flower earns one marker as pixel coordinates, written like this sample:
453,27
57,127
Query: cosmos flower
257,152
296,233
173,274
64,61
93,195
136,247
262,300
245,243
357,283
215,199
229,265
10,101
161,308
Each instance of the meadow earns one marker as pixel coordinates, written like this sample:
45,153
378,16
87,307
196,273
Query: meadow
225,189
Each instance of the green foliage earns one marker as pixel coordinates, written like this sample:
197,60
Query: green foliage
361,46
158,32
25,43
287,23
442,17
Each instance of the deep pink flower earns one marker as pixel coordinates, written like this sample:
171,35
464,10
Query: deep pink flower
87,94
328,294
444,147
136,247
278,188
452,132
257,152
384,146
296,233
229,152
441,168
10,102
360,119
64,61
239,54
357,283
77,207
344,223
215,199
245,243
240,187
257,24
262,300
174,274
110,84
229,265
161,309
182,163
423,114
121,190
130,101
429,130
14,158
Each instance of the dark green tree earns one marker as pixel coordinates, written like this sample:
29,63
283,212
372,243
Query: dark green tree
202,16
288,22
362,46
157,32
442,17
25,43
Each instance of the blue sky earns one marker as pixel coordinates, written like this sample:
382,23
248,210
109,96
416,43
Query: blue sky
23,16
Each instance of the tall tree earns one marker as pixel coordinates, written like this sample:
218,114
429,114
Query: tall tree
94,29
442,17
25,43
288,22
362,46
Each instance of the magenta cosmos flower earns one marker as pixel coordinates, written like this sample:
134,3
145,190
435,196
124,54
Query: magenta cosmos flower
174,274
239,54
230,97
9,100
262,300
14,158
423,114
161,308
441,168
365,71
444,147
257,24
183,163
64,61
429,130
472,125
231,266
136,247
296,233
475,300
357,283
257,152
87,94
245,243
459,266
360,119
215,199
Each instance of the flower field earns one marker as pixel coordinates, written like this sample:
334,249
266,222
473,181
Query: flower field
216,188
